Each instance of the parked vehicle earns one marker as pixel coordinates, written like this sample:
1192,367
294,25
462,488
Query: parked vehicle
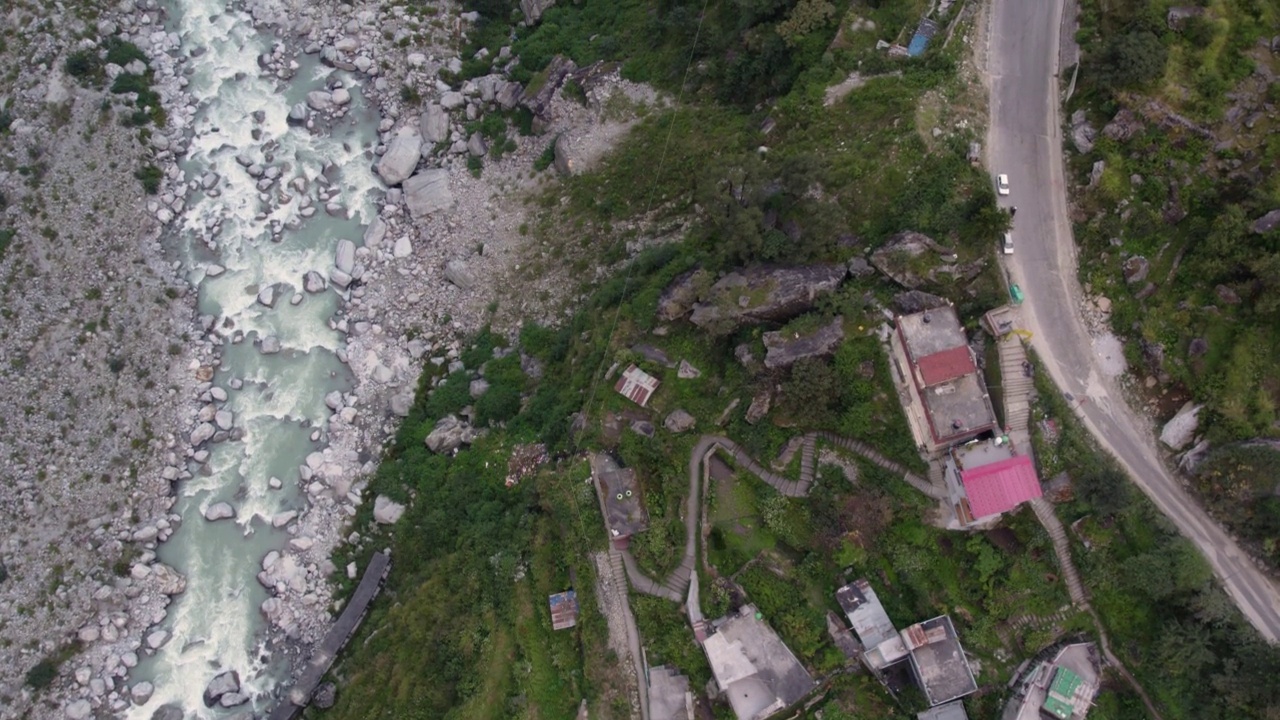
1002,184
1007,246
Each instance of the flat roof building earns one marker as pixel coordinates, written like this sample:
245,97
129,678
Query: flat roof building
619,494
753,667
880,640
947,398
1061,687
938,660
669,695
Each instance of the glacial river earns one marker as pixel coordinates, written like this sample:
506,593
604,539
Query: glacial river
216,624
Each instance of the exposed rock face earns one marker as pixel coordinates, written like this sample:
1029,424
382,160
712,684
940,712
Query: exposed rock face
449,434
559,68
1123,126
401,157
1182,428
533,9
889,258
784,349
386,511
914,301
679,421
223,684
428,192
759,407
765,293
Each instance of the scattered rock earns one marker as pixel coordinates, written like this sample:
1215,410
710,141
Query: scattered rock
759,407
1082,133
386,511
457,272
1095,175
223,684
679,421
687,371
313,282
1182,427
476,145
324,696
1136,269
79,710
344,258
168,712
141,692
269,345
428,192
401,404
1227,295
434,124
449,434
533,9
679,297
478,387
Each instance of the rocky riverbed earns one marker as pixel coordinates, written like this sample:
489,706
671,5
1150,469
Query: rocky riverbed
107,368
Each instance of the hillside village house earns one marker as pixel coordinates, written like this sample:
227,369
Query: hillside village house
945,397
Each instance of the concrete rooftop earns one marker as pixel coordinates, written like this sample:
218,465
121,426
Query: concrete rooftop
753,667
941,331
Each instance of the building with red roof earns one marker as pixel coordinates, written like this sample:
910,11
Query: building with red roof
946,398
987,479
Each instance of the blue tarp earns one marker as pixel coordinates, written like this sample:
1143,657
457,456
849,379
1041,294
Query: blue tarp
921,39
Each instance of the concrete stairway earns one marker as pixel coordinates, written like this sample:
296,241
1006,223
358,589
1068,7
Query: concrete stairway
860,448
1018,388
1062,547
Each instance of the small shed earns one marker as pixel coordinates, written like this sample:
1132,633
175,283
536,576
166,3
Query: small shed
637,385
564,610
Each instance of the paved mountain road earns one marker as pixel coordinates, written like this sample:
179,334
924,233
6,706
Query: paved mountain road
1024,140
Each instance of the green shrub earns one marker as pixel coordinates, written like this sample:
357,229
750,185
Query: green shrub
43,673
548,156
150,175
84,66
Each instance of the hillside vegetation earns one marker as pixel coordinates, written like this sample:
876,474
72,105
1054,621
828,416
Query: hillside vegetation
1171,216
463,628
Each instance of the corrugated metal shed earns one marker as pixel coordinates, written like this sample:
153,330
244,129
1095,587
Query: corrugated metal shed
637,385
564,610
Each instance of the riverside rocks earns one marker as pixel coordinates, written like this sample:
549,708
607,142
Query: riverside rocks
219,511
222,684
401,157
428,192
434,124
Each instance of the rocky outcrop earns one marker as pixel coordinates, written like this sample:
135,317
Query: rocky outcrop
386,511
1182,427
893,257
765,294
554,74
1082,133
783,348
428,192
679,421
680,295
1123,126
1136,269
1266,223
449,434
533,9
401,157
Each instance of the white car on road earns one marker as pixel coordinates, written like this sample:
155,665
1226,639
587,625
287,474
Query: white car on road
1002,184
1007,247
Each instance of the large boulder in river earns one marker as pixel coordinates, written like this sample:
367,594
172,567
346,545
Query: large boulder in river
765,293
167,580
401,157
223,684
449,434
168,712
434,124
219,511
428,192
784,347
